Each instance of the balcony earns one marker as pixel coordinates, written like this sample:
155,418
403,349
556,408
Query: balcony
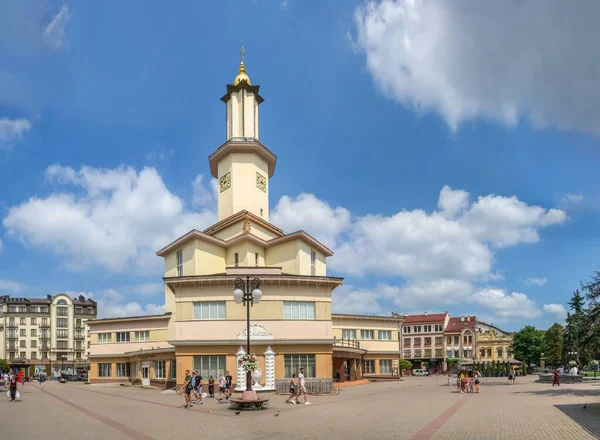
352,343
79,337
13,325
45,325
11,337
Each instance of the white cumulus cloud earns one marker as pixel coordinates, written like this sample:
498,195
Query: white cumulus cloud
114,304
499,60
12,129
115,218
557,310
504,306
571,198
11,287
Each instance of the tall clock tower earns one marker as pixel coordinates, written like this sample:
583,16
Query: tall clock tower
243,165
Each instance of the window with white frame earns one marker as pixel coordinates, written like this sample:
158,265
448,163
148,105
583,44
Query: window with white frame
348,333
209,366
123,336
385,366
142,336
293,362
313,260
367,334
123,369
407,354
103,338
173,369
236,259
369,366
209,310
179,263
407,329
104,370
385,335
298,310
407,342
256,259
160,370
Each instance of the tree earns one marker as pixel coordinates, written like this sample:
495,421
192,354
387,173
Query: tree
403,364
528,344
4,367
554,344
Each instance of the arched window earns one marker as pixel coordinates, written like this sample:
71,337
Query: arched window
61,302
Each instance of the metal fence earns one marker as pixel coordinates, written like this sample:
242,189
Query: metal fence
313,386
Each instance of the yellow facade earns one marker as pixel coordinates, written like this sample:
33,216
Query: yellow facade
493,344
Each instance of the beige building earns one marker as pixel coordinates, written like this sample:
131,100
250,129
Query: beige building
366,346
493,344
423,340
49,333
204,329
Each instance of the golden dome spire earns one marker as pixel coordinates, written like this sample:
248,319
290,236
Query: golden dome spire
242,75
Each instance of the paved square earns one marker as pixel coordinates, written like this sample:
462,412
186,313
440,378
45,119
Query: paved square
416,408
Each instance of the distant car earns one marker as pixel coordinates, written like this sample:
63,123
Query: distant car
419,372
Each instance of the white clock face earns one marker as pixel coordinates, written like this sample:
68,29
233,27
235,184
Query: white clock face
225,181
261,182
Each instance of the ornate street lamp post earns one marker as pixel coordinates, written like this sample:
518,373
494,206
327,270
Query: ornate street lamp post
595,367
247,293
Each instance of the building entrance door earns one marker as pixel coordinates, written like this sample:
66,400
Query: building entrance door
145,374
347,369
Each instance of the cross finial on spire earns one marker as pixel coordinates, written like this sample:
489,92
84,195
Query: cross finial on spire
242,52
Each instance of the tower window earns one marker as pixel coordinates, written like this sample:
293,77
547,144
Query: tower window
256,259
179,263
236,258
313,259
261,212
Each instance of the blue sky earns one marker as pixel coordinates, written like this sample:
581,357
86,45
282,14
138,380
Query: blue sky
448,171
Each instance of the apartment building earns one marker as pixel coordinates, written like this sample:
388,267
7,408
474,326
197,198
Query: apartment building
423,339
461,338
48,333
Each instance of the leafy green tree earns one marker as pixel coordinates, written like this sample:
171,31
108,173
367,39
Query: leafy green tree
528,344
403,364
4,367
554,344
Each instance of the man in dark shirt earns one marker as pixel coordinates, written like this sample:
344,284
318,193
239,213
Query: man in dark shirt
228,381
12,386
187,389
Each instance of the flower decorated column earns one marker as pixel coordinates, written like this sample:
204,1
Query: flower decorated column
241,374
269,368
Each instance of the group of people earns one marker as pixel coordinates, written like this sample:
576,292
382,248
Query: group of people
573,371
192,388
466,384
297,388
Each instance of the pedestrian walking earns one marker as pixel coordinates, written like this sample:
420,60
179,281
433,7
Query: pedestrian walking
41,380
449,380
228,384
211,387
477,378
556,382
222,389
187,389
12,386
302,389
293,388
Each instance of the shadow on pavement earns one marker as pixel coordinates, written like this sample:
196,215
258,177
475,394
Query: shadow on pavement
588,418
563,391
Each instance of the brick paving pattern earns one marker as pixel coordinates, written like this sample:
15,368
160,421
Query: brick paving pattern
417,408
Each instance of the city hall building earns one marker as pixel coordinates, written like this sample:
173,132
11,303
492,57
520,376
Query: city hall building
203,328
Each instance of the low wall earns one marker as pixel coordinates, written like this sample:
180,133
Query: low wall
313,386
566,378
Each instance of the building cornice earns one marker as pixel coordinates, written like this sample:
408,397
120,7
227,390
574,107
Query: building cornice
128,318
239,217
243,145
194,233
304,236
398,319
189,342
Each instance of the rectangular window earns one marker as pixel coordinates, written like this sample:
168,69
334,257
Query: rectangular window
428,342
23,332
174,369
313,260
142,336
439,340
104,370
406,329
293,362
44,309
123,336
33,355
385,335
428,352
256,259
62,322
209,310
78,310
62,333
298,310
23,321
23,355
179,263
23,343
160,371
236,259
62,311
407,354
417,342
369,366
456,353
103,338
33,309
33,320
385,366
78,355
456,340
12,309
367,334
418,352
348,333
123,369
22,309
210,366
438,352
407,342
63,345
499,352
34,343
509,353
